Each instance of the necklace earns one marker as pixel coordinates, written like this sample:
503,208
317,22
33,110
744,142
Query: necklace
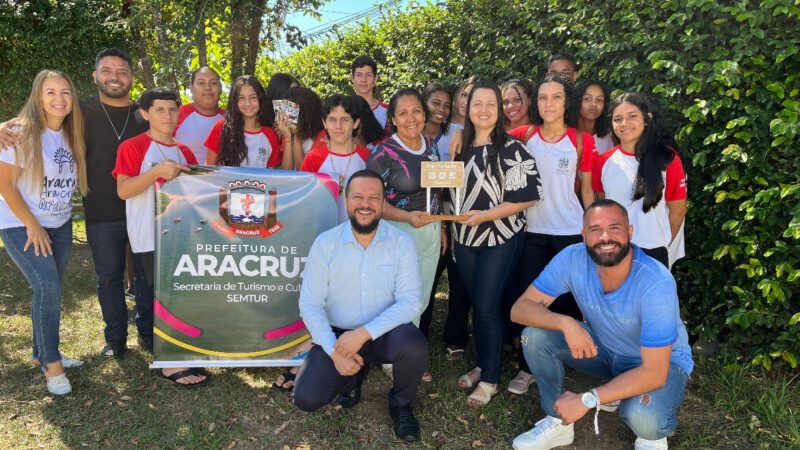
127,117
554,136
160,150
341,179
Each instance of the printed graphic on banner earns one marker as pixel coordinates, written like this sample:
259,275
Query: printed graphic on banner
230,252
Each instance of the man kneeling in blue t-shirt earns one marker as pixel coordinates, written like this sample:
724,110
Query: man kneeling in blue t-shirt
632,336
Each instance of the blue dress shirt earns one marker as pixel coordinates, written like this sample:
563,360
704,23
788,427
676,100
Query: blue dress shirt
348,286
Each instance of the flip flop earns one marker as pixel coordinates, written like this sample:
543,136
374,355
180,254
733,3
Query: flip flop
288,376
185,373
454,353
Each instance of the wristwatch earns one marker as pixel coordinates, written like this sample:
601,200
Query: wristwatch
589,400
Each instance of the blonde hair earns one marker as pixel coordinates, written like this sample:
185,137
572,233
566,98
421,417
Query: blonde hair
33,122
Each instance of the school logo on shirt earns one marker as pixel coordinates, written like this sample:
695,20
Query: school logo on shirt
247,208
563,165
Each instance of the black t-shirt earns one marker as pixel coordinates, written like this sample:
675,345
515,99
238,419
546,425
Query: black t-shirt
102,204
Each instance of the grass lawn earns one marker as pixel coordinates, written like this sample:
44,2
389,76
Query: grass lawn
122,404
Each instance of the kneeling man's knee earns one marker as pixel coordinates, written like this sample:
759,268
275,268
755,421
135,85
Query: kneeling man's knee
646,419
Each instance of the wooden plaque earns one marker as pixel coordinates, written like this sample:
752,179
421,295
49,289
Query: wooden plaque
446,174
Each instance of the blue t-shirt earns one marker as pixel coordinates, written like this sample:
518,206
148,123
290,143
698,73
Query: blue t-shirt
642,312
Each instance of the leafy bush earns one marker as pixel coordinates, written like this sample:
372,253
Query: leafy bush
728,75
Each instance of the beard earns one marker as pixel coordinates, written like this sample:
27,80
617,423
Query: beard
120,93
365,228
609,259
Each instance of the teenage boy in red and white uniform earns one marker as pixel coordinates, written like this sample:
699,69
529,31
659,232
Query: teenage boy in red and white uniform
196,119
142,161
364,75
341,157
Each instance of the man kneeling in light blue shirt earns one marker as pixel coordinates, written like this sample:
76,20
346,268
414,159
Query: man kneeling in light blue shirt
360,292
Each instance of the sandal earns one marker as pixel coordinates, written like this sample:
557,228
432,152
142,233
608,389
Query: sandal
287,377
454,353
183,374
481,399
521,383
469,379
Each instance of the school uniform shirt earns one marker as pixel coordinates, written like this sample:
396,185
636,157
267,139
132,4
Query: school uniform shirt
320,140
443,140
323,160
263,146
194,127
136,156
615,175
604,143
401,170
48,201
559,212
380,111
519,183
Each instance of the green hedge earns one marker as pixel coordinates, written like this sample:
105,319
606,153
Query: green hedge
728,75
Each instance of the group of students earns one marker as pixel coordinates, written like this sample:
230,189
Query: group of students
535,156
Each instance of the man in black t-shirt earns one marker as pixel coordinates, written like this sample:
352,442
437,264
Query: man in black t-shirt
110,118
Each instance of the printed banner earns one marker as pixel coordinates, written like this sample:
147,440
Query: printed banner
231,246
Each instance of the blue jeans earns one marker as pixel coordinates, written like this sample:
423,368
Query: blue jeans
485,272
652,415
107,241
44,274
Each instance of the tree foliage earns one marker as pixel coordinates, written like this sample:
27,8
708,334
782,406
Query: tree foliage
728,75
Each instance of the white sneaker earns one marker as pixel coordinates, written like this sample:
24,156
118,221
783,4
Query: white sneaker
644,444
610,407
69,363
59,385
546,434
521,383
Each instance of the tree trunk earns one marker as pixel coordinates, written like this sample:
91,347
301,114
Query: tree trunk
200,35
253,38
165,53
145,62
238,18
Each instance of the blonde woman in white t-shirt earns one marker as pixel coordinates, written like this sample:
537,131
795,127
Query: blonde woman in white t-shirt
37,180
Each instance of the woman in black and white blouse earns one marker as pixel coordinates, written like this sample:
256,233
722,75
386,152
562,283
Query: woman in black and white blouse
501,182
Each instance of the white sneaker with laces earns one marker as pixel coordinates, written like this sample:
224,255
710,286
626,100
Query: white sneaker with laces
59,385
546,434
644,444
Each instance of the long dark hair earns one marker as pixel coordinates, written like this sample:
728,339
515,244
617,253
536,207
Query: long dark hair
233,149
433,88
572,108
498,137
602,126
654,150
309,123
369,128
407,92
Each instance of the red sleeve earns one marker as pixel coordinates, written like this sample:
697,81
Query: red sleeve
363,152
589,153
187,153
597,170
320,140
520,132
183,112
314,159
214,136
676,181
276,157
130,155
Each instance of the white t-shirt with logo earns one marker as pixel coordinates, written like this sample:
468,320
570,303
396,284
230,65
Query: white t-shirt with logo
136,156
263,146
49,202
322,160
193,129
558,212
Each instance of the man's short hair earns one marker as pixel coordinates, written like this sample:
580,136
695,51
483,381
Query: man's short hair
151,95
606,203
362,61
113,52
564,57
365,173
